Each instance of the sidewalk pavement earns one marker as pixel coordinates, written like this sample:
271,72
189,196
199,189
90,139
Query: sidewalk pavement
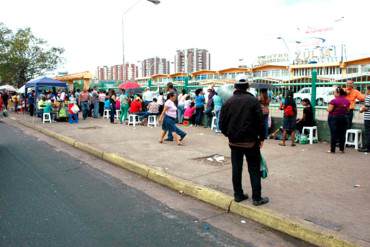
305,182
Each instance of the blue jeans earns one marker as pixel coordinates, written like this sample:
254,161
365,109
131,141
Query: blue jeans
217,114
170,126
338,126
112,112
96,110
180,113
73,118
199,115
85,109
266,124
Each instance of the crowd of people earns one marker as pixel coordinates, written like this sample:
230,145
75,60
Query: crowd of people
340,116
243,119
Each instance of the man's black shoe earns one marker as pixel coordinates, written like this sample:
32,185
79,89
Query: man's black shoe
241,198
168,140
363,150
260,202
182,137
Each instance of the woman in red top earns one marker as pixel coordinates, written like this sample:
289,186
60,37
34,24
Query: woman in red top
136,106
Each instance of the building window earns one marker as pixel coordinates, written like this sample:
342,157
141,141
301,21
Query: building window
352,70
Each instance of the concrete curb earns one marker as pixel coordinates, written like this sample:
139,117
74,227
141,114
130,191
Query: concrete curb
126,164
293,227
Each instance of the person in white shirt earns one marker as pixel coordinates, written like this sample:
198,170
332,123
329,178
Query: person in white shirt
160,100
102,96
168,119
147,97
181,106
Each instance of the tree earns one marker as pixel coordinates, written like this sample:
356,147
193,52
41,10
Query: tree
24,56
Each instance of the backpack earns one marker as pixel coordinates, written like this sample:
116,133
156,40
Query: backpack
288,111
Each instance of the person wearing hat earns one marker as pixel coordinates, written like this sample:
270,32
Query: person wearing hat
241,120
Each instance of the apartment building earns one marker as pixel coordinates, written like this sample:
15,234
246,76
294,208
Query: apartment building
155,66
192,60
118,72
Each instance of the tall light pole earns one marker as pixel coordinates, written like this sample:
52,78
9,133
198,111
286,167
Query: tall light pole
288,50
156,2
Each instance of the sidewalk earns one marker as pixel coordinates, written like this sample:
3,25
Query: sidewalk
304,182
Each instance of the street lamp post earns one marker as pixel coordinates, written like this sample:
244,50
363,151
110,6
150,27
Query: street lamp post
156,2
288,50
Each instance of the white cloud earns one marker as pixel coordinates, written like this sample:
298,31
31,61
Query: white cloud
90,31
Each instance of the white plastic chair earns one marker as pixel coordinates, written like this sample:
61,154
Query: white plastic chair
133,119
46,117
106,113
354,138
312,133
152,121
214,124
118,112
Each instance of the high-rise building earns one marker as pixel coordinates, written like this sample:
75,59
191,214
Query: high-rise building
153,66
117,73
191,60
103,73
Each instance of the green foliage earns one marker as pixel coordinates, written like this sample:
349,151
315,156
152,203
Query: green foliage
24,56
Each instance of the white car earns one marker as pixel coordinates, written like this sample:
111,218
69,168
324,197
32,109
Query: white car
323,95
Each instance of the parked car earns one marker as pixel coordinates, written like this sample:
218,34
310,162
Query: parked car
323,95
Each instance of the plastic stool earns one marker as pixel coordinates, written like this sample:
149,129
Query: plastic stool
46,117
312,133
133,119
152,121
354,138
106,113
118,112
214,123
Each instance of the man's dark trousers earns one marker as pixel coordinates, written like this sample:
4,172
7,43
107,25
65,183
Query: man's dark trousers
253,156
367,134
350,119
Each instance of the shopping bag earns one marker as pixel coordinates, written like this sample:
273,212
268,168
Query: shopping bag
5,113
75,109
264,169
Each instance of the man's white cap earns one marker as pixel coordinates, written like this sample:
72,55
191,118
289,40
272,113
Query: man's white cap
241,79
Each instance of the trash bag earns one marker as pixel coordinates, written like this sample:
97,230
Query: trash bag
264,169
5,113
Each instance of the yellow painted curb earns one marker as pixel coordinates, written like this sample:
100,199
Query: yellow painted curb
202,193
300,230
65,139
87,148
126,164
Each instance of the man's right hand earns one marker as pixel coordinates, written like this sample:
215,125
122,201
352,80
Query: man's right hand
261,145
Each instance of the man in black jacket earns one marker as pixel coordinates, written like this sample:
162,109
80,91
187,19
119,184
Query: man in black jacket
241,120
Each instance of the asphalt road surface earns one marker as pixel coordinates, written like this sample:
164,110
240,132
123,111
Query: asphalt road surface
48,198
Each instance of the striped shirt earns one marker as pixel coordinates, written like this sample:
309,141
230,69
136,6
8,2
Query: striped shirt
367,105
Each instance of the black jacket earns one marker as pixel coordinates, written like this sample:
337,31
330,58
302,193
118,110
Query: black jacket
241,118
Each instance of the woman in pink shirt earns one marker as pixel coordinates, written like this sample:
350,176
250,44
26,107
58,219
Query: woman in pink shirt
189,113
168,119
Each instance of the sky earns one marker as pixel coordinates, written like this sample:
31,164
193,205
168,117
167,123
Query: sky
90,31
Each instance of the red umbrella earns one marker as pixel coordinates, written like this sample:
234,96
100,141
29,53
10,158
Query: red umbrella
129,85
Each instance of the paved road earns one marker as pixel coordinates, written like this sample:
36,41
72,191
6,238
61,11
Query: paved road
48,198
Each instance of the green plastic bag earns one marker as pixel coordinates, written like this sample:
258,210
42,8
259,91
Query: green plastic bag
5,113
264,169
303,139
63,113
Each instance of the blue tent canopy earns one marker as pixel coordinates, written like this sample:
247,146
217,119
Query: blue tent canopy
45,81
